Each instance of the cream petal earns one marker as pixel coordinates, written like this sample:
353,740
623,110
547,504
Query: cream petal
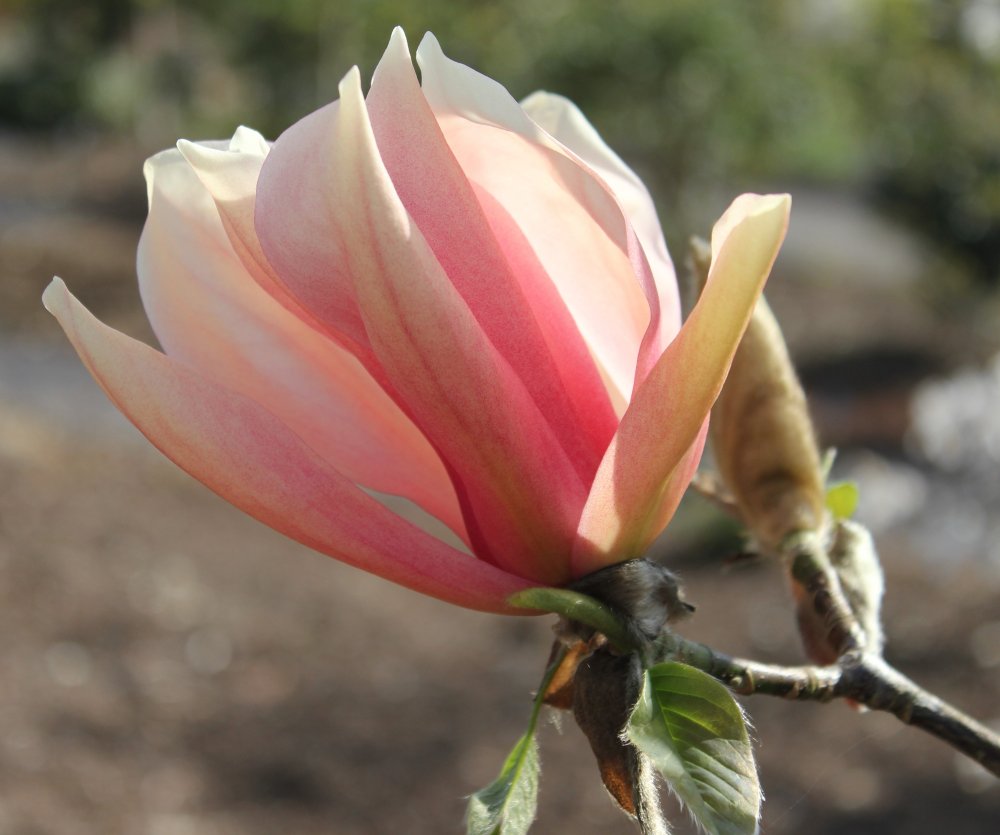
649,463
230,175
563,120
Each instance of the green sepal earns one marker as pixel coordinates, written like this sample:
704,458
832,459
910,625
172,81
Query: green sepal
842,499
573,605
507,805
695,735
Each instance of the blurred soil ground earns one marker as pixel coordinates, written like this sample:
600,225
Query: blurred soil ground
171,667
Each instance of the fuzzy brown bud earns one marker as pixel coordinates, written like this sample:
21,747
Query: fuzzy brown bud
858,573
763,438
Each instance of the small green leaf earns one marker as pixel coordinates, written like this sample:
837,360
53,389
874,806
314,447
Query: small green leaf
575,606
507,805
694,733
842,499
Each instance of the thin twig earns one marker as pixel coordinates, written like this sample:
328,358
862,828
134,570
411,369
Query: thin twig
862,677
891,691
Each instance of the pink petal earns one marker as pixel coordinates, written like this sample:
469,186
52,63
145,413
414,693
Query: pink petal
565,123
293,205
209,313
521,492
653,456
571,217
251,459
515,303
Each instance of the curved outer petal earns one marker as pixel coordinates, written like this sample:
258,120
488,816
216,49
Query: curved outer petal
653,456
208,312
251,459
595,258
521,493
519,310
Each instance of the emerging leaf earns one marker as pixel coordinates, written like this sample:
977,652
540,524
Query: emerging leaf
693,731
842,499
507,806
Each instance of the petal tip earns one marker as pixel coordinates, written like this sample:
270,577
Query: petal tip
396,63
54,295
350,84
429,49
772,210
204,159
248,140
539,98
776,206
780,202
398,39
758,204
195,154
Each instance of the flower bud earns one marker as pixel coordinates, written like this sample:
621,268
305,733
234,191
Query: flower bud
606,689
763,438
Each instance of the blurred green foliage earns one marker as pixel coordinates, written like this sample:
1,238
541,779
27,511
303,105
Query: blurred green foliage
898,97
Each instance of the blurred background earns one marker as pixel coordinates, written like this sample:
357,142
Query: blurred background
170,667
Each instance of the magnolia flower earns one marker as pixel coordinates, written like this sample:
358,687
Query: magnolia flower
436,293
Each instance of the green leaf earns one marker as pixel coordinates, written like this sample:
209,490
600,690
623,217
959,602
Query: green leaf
695,735
575,606
507,805
842,499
